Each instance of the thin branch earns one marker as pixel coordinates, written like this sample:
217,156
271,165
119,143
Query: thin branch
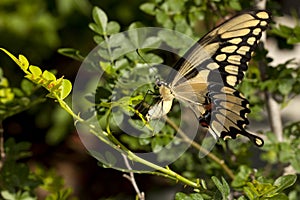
130,177
274,116
200,148
2,152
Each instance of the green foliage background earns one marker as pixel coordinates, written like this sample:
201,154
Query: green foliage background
39,140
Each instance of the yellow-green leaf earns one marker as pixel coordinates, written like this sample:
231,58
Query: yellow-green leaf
6,95
24,64
48,75
36,71
66,87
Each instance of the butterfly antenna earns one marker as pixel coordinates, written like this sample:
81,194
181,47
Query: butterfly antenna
149,92
156,77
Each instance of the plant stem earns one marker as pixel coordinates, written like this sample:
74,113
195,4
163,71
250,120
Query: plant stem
109,139
274,116
2,152
165,171
68,109
141,195
200,148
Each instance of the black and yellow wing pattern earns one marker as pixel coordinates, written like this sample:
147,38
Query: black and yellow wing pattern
207,74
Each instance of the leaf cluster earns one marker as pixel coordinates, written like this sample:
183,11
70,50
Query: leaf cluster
17,181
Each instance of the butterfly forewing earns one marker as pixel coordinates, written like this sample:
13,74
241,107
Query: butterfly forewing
210,70
229,45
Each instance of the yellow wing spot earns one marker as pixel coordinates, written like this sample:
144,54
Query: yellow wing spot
256,31
237,33
229,49
263,23
231,69
235,59
212,66
231,80
263,15
258,142
251,40
235,41
243,50
221,57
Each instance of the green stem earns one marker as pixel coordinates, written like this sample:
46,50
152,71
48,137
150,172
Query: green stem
136,158
68,109
201,149
110,140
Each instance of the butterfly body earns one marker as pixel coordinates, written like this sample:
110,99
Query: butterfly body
206,76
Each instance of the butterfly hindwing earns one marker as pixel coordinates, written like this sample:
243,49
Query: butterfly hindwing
228,114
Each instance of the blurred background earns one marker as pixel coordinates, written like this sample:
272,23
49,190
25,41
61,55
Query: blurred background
37,29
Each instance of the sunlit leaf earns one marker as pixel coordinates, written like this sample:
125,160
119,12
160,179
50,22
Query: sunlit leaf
66,87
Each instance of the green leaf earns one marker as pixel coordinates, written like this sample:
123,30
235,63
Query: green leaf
19,195
222,187
148,8
121,64
295,162
182,26
27,87
242,177
293,40
137,36
285,86
7,195
132,142
284,182
153,42
98,39
280,196
164,19
182,196
100,18
196,196
157,144
176,5
235,5
96,28
113,28
62,194
107,67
